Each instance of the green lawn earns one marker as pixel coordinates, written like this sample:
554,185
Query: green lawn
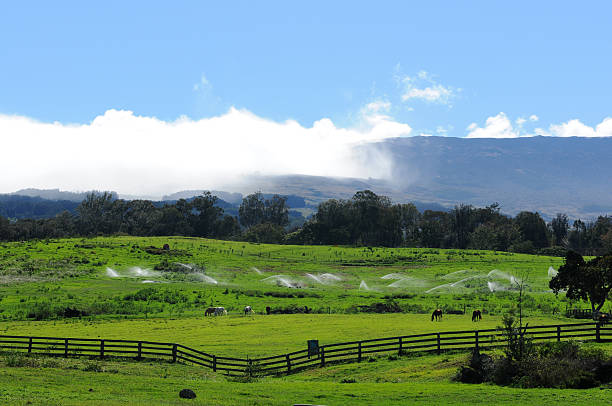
161,296
40,279
425,379
260,335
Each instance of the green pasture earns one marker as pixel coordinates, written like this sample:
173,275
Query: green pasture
423,379
133,277
131,288
258,336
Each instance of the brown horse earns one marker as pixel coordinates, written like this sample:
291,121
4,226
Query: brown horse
476,315
210,311
603,319
437,314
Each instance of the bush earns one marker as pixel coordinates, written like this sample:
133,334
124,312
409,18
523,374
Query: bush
552,365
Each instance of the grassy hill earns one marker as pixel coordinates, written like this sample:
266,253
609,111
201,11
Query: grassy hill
132,288
135,277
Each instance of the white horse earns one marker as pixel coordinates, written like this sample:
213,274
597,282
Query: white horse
220,311
248,310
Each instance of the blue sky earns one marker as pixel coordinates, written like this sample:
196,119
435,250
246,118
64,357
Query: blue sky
71,61
442,68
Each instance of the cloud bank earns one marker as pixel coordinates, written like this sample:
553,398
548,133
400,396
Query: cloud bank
500,126
134,154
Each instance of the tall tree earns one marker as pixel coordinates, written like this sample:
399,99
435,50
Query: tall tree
252,210
533,228
95,214
206,214
560,227
435,229
276,211
463,224
589,281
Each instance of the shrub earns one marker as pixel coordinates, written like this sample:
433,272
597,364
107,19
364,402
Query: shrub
552,365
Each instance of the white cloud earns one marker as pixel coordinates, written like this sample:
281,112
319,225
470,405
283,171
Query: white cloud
424,87
498,126
144,155
575,128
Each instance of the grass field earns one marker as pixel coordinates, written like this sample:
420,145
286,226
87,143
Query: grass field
130,288
423,380
40,279
259,335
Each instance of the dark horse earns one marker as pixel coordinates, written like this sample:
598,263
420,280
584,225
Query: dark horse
476,315
602,319
437,314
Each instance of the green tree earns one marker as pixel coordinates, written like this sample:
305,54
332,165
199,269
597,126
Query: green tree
205,215
435,229
252,210
532,228
409,217
95,214
462,224
276,211
5,229
560,227
590,281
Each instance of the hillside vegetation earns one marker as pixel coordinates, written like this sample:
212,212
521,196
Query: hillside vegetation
139,288
136,277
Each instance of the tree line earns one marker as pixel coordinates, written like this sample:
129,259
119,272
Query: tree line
367,219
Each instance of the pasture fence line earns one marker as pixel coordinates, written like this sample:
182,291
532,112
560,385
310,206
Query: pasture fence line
353,351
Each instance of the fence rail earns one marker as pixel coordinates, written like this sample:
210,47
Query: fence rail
353,351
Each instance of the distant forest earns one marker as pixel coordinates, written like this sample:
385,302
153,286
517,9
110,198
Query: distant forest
366,219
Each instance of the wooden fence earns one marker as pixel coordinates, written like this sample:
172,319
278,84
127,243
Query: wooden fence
354,351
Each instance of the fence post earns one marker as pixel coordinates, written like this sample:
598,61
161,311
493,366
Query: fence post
30,346
139,349
399,352
288,363
214,363
359,352
439,349
174,346
558,333
322,354
101,348
597,333
476,339
66,347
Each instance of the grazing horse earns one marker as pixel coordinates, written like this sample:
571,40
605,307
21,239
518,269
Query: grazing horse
437,314
220,311
248,310
210,311
268,310
476,315
603,319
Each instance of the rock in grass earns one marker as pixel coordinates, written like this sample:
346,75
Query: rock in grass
187,394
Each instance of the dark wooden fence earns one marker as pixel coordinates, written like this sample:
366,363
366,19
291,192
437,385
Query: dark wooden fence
354,351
